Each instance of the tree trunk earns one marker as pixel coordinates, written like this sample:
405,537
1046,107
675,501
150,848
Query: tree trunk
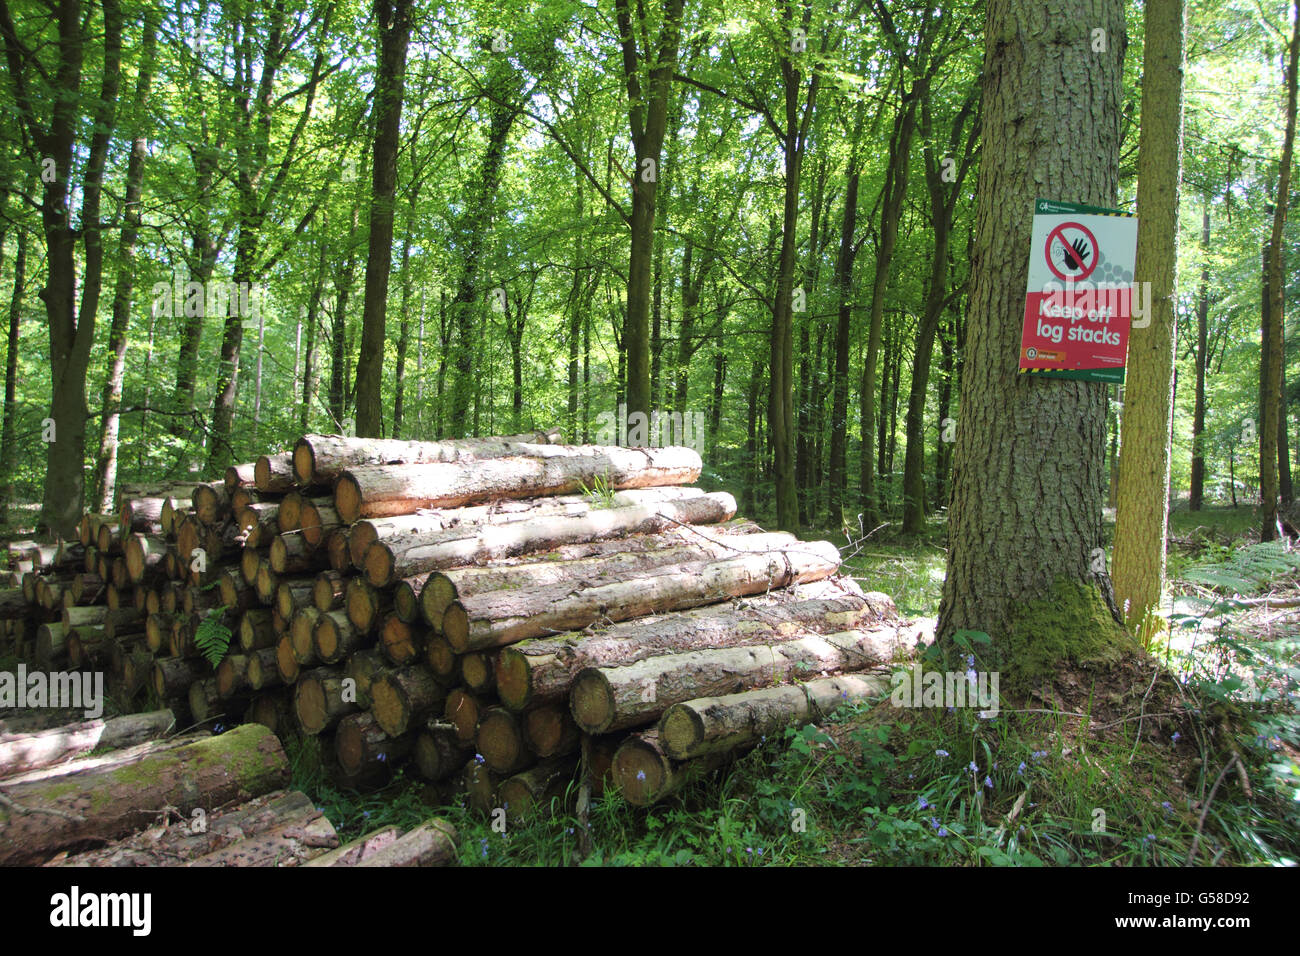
1143,500
1271,376
394,18
21,752
1009,575
1197,493
8,435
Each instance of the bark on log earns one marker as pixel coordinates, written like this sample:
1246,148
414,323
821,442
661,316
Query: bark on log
432,843
378,491
291,554
498,618
719,724
107,804
181,841
613,698
350,854
291,842
542,670
593,563
21,752
241,476
403,556
319,459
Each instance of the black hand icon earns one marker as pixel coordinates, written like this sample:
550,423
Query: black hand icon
1081,252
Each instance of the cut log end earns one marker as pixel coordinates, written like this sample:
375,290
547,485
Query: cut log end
592,700
640,771
347,499
681,731
513,678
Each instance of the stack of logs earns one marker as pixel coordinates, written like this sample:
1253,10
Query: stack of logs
496,612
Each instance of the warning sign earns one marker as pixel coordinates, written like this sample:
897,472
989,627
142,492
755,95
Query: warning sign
1080,297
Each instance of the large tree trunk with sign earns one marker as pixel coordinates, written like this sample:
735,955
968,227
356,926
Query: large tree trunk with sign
1143,498
1029,463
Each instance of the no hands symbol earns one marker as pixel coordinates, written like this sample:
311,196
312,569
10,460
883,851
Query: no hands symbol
1071,251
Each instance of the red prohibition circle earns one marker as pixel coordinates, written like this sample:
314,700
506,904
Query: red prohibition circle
1057,235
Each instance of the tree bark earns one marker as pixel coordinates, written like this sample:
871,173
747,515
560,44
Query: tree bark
320,459
1142,504
1028,447
394,18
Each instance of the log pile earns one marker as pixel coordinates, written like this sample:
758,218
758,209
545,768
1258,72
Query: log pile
509,614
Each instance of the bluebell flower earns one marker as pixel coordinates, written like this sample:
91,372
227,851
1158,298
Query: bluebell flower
478,758
483,844
1039,754
988,782
366,814
941,753
1149,838
1175,737
1169,807
922,803
943,832
382,757
640,774
974,768
1021,769
970,660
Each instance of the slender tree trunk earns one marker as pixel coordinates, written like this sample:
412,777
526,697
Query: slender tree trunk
404,326
8,434
1273,318
111,404
1197,492
1143,500
648,120
840,378
394,31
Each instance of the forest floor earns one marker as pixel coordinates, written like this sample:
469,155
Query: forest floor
1191,754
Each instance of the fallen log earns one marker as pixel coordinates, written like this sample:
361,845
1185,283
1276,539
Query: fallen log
498,618
20,752
644,774
366,532
432,843
294,839
350,854
273,474
614,698
543,669
319,459
40,818
402,556
377,491
592,563
719,724
185,839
